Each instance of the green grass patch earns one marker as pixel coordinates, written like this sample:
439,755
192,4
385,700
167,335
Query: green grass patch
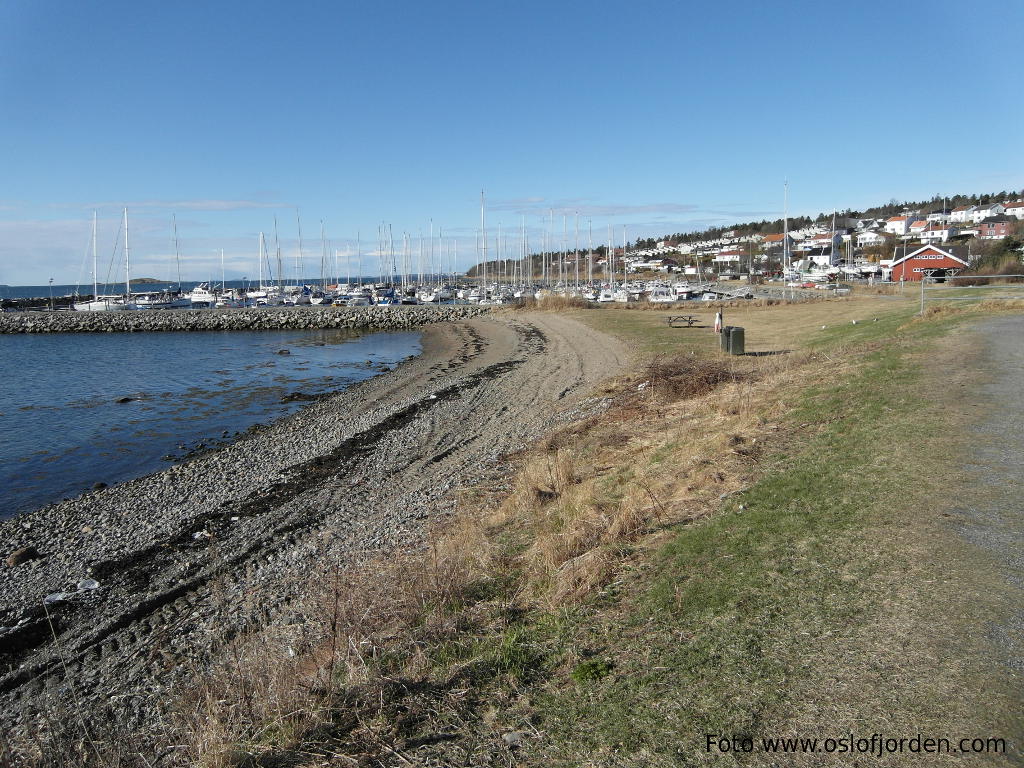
736,613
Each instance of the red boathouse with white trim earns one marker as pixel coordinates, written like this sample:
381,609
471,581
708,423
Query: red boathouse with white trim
927,260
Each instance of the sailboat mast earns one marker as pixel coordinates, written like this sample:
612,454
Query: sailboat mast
95,284
785,229
609,262
832,239
298,257
562,277
483,245
177,254
590,254
624,257
576,252
277,254
127,262
261,260
323,257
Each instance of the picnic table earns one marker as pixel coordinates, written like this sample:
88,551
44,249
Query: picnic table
675,321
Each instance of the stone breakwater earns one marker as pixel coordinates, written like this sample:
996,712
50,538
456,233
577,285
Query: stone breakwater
291,318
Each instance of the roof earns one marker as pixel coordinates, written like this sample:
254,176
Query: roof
962,208
919,223
950,251
1018,204
774,238
897,218
1000,219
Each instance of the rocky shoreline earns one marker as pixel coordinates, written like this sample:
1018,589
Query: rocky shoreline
390,318
121,595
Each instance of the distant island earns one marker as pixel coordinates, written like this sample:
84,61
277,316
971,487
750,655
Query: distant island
137,280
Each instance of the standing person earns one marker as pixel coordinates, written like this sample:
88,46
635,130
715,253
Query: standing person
718,321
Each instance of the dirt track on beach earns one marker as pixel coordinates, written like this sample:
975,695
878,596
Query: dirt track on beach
192,555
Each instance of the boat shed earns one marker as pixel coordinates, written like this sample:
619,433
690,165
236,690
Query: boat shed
928,260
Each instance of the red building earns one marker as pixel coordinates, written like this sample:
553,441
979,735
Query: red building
994,227
927,259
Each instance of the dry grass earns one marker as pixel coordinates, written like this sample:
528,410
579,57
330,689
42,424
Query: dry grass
551,303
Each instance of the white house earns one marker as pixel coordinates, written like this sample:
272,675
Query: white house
962,214
938,233
777,241
868,239
1015,209
823,240
918,226
897,225
938,217
984,211
654,265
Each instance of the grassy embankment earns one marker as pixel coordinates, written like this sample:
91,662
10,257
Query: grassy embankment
741,546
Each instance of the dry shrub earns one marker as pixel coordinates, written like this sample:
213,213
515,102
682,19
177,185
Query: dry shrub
983,275
683,378
943,310
578,577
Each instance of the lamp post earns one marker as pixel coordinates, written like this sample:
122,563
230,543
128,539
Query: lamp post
51,294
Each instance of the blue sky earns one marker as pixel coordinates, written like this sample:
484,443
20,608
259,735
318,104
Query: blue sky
660,116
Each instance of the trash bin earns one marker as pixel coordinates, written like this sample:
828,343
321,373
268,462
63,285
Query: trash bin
726,330
736,340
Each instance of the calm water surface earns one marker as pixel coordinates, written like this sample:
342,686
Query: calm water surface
63,429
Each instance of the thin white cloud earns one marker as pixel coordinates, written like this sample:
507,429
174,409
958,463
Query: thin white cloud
538,206
188,205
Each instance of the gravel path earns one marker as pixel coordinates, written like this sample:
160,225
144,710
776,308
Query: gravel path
993,511
216,545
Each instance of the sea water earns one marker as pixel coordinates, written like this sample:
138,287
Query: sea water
80,409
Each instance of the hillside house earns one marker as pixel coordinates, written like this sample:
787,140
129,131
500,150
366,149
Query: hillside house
869,239
773,242
897,225
939,233
994,227
985,211
1015,209
962,214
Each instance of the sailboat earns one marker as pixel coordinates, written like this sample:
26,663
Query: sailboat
108,303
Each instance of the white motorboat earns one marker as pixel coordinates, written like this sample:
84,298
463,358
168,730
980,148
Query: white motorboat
661,294
201,296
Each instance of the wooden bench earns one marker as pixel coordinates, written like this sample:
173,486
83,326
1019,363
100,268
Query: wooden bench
675,321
